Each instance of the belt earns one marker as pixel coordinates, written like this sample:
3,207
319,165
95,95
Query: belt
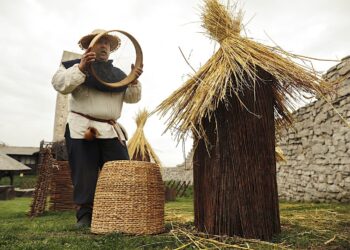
112,122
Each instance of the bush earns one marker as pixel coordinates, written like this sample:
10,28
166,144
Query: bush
23,182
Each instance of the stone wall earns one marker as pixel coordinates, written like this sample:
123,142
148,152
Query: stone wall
316,148
177,174
182,172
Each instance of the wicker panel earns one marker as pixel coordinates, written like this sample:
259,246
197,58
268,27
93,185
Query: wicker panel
61,188
129,198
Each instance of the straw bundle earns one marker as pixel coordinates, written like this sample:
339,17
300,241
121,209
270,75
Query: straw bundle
235,67
138,146
129,198
279,155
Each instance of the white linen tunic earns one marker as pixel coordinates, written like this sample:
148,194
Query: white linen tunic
92,102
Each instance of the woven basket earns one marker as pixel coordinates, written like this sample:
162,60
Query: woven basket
129,198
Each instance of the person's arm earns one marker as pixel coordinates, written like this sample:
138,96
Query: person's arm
133,93
66,80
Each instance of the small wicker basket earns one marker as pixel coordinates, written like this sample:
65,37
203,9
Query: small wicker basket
129,198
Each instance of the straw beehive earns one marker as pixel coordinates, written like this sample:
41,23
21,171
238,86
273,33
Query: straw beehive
135,202
138,146
129,198
232,106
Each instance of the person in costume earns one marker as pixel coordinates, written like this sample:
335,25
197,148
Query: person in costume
93,135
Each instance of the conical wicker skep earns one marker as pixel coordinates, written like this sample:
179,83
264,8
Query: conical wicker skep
139,148
129,198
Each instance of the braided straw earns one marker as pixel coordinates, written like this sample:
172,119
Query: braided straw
129,198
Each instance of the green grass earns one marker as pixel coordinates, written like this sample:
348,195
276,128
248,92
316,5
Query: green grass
56,230
310,225
304,226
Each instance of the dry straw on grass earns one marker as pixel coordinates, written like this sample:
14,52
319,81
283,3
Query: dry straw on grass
233,68
138,146
189,238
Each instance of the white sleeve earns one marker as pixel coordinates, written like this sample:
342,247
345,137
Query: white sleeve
66,80
133,93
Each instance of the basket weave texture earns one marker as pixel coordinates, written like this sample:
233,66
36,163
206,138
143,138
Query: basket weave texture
61,195
129,198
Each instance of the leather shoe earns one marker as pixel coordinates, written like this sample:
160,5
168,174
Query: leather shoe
84,221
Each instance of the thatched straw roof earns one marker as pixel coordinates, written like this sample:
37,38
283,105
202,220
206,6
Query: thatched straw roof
233,68
138,146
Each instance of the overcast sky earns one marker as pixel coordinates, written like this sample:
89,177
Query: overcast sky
34,35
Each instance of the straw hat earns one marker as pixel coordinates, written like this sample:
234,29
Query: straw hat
84,42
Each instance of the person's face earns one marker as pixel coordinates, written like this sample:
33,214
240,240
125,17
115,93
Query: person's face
102,48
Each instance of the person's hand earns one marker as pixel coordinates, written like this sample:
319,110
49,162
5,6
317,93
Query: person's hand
88,57
138,70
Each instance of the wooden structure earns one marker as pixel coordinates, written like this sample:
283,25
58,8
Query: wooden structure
233,106
53,182
7,192
175,189
61,189
235,181
28,156
42,187
8,166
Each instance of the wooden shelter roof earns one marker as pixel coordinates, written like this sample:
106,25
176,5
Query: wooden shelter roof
9,164
9,150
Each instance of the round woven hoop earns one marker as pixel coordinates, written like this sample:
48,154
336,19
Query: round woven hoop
138,62
129,198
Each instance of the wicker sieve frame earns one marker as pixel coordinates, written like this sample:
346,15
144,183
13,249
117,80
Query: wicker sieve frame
138,62
129,198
